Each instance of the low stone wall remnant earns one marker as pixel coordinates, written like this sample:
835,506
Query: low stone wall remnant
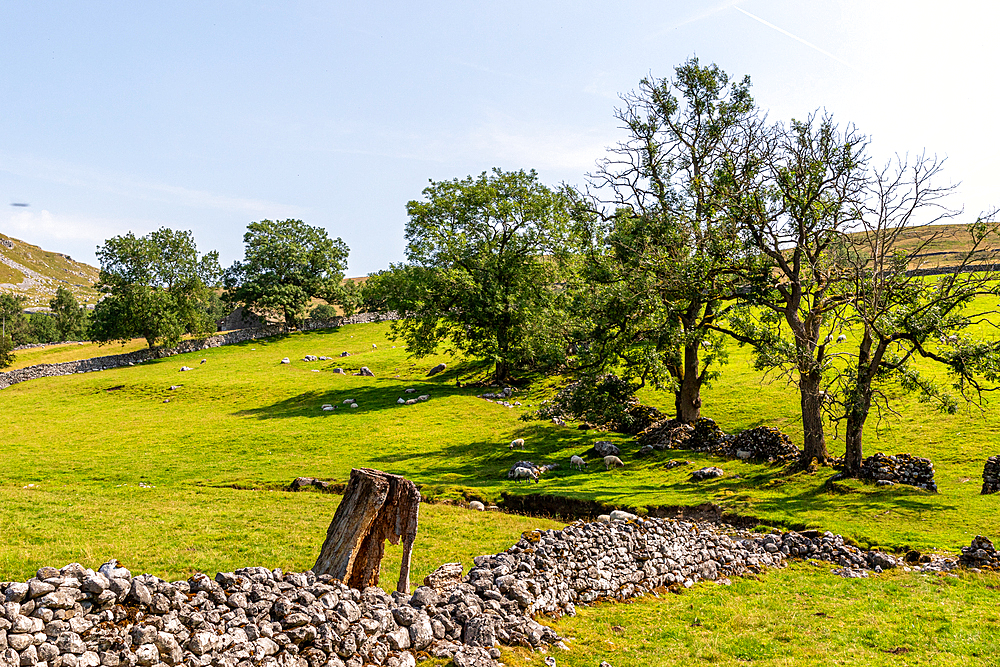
762,443
899,469
257,617
980,555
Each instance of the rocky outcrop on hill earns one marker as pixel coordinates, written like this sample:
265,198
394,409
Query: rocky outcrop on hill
76,617
899,469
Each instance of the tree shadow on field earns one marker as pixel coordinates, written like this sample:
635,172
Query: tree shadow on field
489,460
901,504
383,396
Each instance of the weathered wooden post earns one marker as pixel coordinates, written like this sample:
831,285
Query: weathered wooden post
376,507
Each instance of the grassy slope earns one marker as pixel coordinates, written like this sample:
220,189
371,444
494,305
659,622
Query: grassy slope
244,420
61,352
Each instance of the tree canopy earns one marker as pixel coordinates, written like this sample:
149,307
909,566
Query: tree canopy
484,259
658,242
70,317
286,264
11,320
155,287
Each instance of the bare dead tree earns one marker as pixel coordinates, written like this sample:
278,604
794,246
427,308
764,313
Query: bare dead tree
900,313
809,182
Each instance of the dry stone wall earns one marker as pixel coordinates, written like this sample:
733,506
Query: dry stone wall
257,617
131,358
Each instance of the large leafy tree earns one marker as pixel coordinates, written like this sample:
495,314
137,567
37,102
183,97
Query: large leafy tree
286,264
658,240
483,272
155,287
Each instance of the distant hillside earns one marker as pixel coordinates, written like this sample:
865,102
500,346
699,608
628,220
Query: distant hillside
938,247
36,274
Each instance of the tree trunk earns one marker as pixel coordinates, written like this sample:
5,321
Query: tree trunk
861,403
688,398
376,506
811,400
852,438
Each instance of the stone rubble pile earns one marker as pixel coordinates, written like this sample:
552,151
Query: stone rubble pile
667,434
710,472
980,555
899,469
991,475
501,397
762,443
255,617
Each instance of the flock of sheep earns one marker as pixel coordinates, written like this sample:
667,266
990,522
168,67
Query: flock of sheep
519,473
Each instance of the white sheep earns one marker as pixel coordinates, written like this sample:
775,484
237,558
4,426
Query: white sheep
524,473
516,444
612,461
841,338
577,462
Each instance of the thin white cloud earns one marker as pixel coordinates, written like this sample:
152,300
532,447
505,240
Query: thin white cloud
518,145
795,37
662,30
65,173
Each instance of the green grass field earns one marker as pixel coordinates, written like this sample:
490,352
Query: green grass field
116,464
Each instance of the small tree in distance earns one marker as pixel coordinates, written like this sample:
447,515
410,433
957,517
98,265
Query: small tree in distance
286,263
70,317
155,286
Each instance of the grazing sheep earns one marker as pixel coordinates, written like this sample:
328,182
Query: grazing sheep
374,346
841,338
516,444
524,473
611,462
577,462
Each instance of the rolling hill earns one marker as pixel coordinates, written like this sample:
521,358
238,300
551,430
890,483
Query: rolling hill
29,271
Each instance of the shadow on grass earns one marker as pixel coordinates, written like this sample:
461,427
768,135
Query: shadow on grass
484,462
376,397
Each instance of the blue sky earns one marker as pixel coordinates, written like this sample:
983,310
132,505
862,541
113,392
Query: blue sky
206,116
